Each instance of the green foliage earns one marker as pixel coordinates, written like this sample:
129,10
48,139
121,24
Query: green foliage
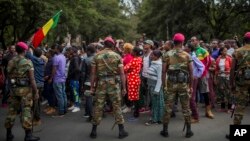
91,18
206,18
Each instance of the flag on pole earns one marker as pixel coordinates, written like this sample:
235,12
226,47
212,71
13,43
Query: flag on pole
42,32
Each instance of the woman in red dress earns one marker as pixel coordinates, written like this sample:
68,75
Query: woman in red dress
132,69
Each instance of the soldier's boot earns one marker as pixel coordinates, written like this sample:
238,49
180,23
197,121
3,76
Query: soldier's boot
30,137
164,132
9,135
209,113
122,132
93,134
189,132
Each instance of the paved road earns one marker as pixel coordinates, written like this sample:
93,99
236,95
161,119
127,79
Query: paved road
74,128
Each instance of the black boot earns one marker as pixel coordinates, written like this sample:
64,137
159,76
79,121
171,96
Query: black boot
93,134
122,132
173,114
89,119
9,136
136,113
29,137
164,132
189,133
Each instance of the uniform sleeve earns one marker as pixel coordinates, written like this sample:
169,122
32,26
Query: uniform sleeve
30,65
93,62
165,58
10,66
238,55
120,64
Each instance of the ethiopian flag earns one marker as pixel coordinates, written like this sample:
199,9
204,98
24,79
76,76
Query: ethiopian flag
42,32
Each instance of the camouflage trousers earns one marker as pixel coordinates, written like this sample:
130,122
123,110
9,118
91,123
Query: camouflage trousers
17,101
170,92
107,89
241,99
223,90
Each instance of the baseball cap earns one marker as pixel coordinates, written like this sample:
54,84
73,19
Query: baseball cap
150,42
109,39
22,45
179,37
247,35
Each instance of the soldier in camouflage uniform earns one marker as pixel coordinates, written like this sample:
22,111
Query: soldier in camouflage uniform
177,64
21,73
242,79
107,71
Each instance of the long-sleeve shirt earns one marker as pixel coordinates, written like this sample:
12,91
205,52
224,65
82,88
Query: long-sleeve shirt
155,73
74,72
39,65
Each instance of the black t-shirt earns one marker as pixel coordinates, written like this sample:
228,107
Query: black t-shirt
74,71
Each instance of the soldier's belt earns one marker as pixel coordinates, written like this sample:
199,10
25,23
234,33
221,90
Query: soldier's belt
178,76
109,77
20,82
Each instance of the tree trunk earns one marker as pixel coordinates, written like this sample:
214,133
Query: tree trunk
2,39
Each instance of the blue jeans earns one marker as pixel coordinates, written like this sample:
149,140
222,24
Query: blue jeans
74,87
59,90
48,93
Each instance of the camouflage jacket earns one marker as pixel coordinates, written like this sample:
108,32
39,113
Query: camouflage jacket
242,57
177,59
18,68
107,63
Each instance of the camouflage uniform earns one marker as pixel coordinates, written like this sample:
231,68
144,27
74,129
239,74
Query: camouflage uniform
107,65
22,96
176,60
242,56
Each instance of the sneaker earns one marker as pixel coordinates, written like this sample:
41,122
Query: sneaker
147,110
58,116
76,109
85,116
123,107
126,110
132,119
44,102
71,108
141,110
151,122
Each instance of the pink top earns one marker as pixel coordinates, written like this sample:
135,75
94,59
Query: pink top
126,59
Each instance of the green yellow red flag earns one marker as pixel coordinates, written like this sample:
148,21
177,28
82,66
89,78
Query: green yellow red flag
42,32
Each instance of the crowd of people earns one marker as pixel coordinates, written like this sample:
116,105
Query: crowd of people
114,76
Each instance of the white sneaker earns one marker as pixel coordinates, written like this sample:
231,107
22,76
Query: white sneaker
44,102
126,110
76,109
123,107
71,108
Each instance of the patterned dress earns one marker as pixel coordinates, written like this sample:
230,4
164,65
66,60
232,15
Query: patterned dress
133,69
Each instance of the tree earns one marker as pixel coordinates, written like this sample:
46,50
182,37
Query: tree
206,18
90,18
